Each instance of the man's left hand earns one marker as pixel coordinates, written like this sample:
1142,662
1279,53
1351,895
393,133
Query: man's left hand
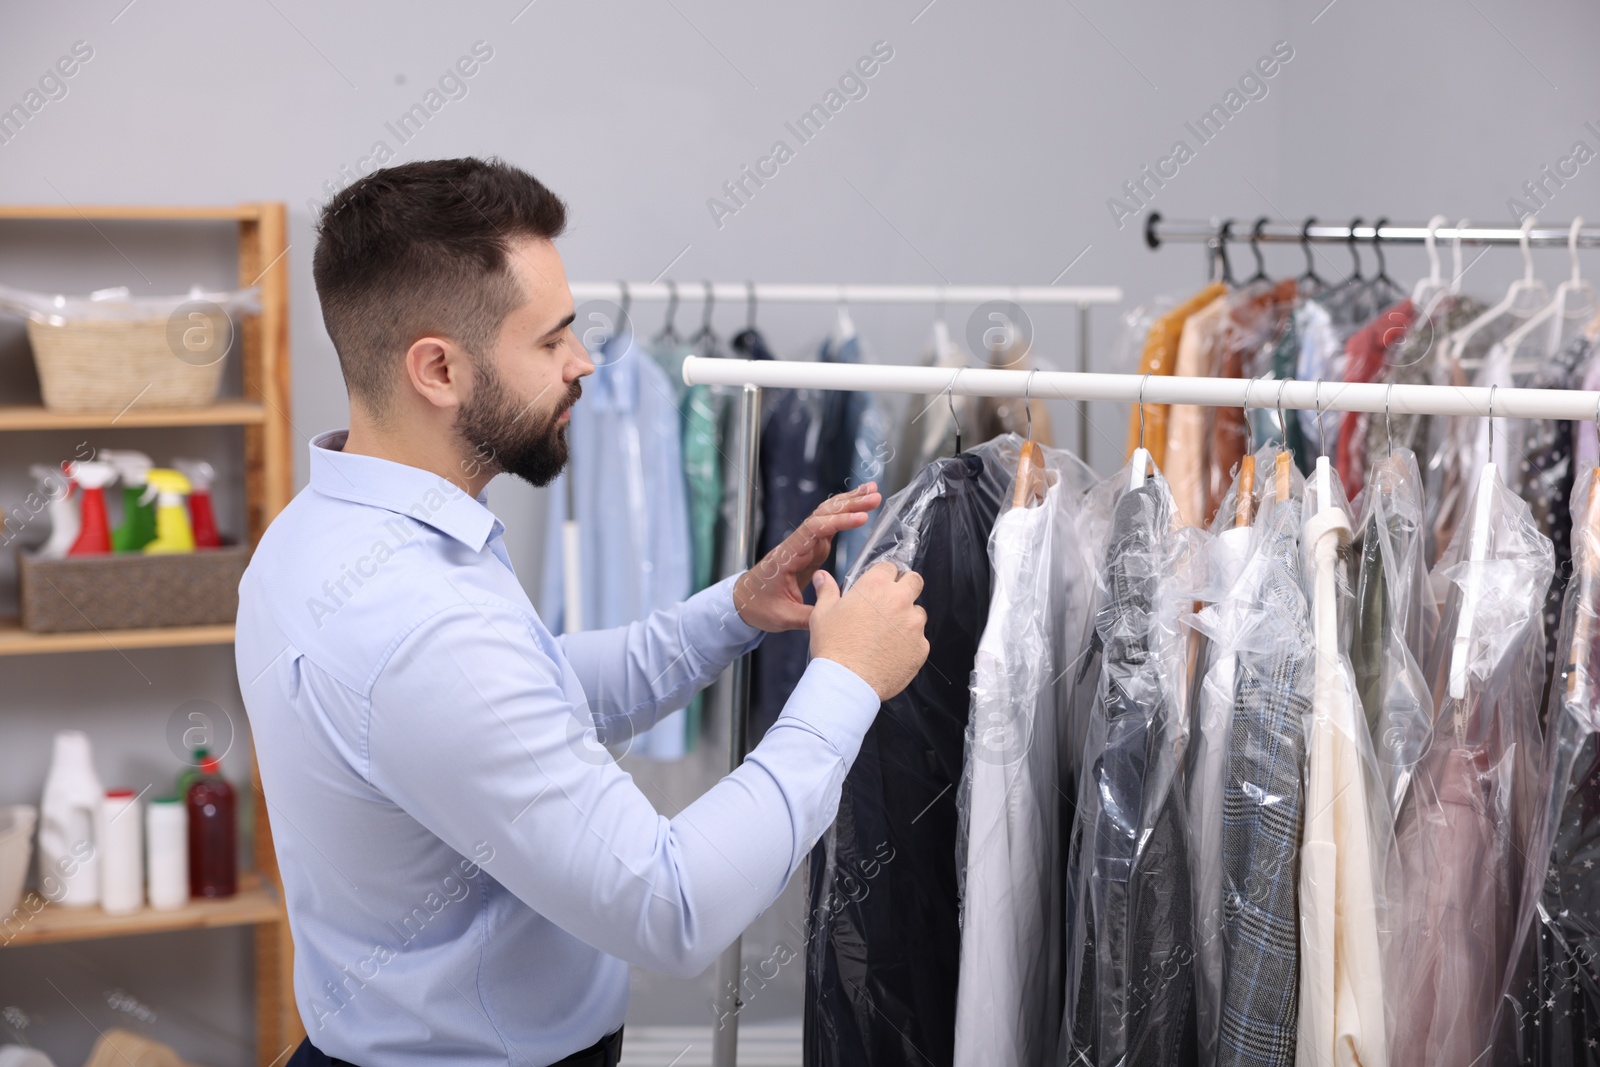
768,596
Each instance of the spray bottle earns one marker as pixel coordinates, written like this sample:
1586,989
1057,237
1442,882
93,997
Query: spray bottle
94,530
173,533
63,509
202,520
138,525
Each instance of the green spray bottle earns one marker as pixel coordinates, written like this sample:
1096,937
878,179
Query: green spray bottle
138,525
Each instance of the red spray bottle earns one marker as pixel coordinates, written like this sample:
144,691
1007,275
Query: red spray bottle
94,533
202,520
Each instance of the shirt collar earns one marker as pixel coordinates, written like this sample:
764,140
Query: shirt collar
411,491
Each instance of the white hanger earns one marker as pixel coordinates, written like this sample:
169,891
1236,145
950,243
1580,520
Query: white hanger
844,328
1428,290
1553,314
1525,291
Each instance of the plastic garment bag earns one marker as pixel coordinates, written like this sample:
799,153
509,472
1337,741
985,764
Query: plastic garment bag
883,958
1395,620
1247,804
1465,826
1130,946
1347,824
1013,824
1551,1014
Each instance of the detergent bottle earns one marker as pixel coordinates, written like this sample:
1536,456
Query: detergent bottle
138,525
173,533
202,519
57,486
94,529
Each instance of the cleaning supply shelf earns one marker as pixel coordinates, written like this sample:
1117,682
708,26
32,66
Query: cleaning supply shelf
222,413
255,902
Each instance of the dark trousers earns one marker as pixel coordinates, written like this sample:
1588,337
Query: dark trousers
603,1053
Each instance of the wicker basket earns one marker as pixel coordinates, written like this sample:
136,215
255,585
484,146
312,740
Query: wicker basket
126,591
105,366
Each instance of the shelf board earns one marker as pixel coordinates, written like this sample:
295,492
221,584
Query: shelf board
15,641
238,212
254,903
222,413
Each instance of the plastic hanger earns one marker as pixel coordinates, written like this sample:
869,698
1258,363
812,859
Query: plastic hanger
668,334
1223,270
1310,281
1030,484
1255,249
1526,291
1428,290
1554,314
1140,461
1477,552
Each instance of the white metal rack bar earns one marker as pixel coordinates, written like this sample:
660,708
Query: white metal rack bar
755,375
1158,230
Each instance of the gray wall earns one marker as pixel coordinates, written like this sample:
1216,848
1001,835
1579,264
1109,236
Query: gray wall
985,151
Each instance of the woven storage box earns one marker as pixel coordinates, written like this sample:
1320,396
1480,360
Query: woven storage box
131,591
90,366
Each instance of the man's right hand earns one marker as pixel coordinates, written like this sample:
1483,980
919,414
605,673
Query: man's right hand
876,629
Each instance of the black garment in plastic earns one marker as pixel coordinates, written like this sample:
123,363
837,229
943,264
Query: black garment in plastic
882,963
1131,993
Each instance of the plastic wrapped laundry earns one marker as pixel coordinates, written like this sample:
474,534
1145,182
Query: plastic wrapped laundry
1395,620
1550,1015
118,305
1013,820
1466,823
882,963
1130,927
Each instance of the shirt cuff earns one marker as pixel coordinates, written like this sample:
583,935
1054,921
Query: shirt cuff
835,703
716,622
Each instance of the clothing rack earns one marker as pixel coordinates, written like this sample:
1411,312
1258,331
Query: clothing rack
725,1037
753,376
1245,231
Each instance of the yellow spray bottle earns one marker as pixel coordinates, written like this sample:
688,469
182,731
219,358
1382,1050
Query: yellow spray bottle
173,533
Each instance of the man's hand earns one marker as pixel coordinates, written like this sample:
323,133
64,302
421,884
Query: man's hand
876,629
768,596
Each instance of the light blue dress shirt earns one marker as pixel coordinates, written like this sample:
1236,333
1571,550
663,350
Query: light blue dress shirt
632,509
468,873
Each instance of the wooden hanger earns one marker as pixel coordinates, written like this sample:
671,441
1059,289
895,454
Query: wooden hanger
1247,490
1031,483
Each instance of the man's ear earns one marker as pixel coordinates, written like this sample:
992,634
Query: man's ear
437,369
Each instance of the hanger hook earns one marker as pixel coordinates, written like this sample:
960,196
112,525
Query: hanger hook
669,328
1223,234
1305,246
1249,423
711,303
1527,250
1388,427
1283,423
1492,388
1027,400
1432,241
1572,248
1355,255
1146,381
1377,249
1255,249
750,305
1456,269
950,399
1322,432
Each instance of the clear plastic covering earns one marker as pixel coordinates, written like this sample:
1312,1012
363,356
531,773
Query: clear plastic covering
1245,774
1130,948
1395,619
1348,832
883,960
1550,1016
1465,824
117,305
1013,823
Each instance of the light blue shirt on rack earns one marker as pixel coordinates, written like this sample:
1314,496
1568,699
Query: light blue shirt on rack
467,871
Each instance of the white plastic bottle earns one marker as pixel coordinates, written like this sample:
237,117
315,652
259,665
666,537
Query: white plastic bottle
167,839
119,835
69,871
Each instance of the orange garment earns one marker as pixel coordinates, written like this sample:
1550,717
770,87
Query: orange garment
1160,355
1187,424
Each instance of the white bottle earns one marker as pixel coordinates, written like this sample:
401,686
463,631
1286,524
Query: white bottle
119,835
69,870
167,841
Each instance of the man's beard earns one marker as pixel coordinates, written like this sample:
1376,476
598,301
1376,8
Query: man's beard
503,435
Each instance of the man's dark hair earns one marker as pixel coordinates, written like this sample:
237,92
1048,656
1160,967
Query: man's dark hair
423,248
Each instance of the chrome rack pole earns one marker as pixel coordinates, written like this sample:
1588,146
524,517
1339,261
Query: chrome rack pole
725,1032
1159,230
1083,368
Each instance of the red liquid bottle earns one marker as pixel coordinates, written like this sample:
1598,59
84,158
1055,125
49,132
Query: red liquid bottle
213,834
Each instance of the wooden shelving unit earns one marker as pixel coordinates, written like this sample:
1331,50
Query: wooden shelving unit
262,414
